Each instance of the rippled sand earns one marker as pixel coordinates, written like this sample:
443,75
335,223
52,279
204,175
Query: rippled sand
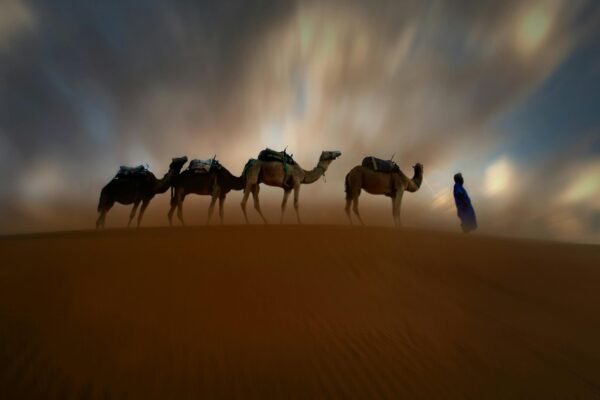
296,312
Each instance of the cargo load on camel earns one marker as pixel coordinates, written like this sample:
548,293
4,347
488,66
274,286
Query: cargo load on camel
272,155
204,166
127,172
379,165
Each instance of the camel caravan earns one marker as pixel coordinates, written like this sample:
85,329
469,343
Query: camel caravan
137,185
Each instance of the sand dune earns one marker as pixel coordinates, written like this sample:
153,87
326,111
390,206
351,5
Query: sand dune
296,312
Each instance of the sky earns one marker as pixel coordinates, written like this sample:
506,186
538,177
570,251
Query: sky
506,92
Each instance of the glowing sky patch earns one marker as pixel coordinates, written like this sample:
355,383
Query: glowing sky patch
533,27
16,18
584,186
42,181
498,177
443,200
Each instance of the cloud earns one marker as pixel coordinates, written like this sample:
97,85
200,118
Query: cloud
16,18
423,86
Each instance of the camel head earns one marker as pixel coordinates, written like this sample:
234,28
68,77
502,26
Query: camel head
417,178
330,155
177,163
418,167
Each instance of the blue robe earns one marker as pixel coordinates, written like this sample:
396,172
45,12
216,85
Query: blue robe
464,208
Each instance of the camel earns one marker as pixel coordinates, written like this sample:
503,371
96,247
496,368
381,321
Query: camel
136,189
273,173
215,184
391,184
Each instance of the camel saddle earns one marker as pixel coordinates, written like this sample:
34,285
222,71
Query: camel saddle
279,156
125,171
379,165
204,166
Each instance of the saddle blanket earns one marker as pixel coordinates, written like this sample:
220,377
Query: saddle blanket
379,165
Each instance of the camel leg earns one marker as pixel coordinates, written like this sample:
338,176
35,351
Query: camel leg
142,210
211,208
101,219
393,198
257,203
297,202
221,211
286,194
133,211
174,202
243,203
396,203
348,204
171,212
104,205
180,209
355,209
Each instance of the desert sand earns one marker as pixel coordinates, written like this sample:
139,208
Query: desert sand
296,312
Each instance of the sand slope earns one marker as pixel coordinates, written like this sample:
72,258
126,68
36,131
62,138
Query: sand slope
296,312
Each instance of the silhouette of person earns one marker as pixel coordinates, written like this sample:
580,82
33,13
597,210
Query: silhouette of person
464,208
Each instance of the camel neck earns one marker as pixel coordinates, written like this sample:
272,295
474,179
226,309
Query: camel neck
163,184
234,182
314,174
415,183
418,177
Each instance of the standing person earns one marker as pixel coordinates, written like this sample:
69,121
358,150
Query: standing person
464,208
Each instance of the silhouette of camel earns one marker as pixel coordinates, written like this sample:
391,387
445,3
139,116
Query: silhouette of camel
135,188
273,173
391,184
214,183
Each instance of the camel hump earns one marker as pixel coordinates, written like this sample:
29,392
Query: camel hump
248,165
204,166
126,171
380,165
279,156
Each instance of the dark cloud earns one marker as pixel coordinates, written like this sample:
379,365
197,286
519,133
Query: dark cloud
124,50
